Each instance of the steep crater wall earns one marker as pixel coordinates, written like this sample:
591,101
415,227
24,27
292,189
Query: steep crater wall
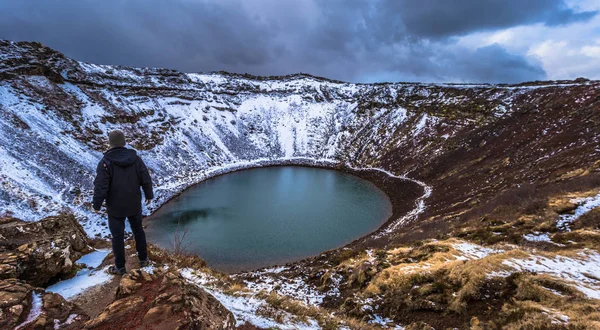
56,112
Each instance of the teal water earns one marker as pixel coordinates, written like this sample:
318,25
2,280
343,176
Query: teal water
266,216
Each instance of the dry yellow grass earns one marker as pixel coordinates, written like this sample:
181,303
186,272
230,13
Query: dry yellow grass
281,306
442,257
582,238
440,282
236,289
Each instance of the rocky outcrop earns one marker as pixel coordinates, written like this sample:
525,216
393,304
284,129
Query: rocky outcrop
25,307
37,252
161,300
34,253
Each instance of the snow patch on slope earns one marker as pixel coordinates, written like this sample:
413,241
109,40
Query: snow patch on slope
580,270
585,205
246,308
470,251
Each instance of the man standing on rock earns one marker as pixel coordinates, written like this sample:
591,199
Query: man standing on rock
119,176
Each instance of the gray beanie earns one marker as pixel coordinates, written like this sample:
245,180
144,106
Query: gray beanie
116,138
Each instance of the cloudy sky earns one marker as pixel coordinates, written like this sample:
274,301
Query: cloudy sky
352,40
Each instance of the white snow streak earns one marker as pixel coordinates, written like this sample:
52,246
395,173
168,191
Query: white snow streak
538,237
470,251
580,271
34,312
85,278
586,205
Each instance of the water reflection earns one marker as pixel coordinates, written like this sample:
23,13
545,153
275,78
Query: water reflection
266,216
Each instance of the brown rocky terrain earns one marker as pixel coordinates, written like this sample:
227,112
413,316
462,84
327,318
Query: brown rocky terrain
35,253
161,300
19,309
43,251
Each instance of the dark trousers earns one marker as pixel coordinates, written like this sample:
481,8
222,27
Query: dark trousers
117,229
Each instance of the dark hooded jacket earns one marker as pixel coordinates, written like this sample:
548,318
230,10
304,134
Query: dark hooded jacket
119,176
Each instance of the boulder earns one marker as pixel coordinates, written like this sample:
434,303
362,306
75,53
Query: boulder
26,307
161,300
37,252
562,205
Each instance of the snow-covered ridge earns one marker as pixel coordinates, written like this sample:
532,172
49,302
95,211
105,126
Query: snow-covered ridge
55,114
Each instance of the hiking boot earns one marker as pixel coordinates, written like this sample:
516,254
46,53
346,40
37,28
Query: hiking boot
113,270
144,263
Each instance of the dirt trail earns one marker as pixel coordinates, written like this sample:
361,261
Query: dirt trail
96,298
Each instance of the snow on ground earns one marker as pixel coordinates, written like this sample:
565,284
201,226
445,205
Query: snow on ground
384,322
370,256
34,312
246,307
368,304
410,216
69,320
470,251
581,271
537,237
540,237
85,278
556,316
150,268
94,259
585,205
268,280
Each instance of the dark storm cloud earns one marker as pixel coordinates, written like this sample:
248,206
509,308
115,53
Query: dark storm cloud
434,18
349,40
